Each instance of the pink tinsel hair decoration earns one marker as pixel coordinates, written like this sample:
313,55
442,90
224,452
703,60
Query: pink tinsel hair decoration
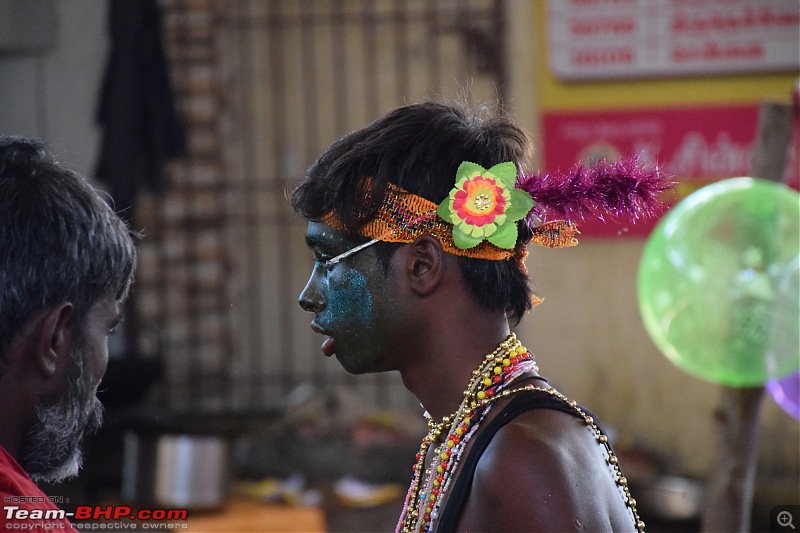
622,189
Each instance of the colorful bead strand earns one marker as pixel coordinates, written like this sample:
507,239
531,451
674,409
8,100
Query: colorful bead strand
488,384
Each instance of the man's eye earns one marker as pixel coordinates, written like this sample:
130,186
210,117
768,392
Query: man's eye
328,266
115,328
322,260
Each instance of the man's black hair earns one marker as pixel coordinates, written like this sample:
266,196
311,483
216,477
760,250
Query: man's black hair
59,240
419,148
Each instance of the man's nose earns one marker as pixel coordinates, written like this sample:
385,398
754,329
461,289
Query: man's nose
310,299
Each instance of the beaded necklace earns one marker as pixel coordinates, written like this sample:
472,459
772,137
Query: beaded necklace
428,487
488,384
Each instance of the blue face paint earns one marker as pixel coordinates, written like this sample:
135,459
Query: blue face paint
351,302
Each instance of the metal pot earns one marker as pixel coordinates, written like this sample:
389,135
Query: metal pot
670,498
175,470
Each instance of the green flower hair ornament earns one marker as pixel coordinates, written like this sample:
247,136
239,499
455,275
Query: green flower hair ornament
485,205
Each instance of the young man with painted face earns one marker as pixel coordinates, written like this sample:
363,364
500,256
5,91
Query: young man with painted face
67,263
419,235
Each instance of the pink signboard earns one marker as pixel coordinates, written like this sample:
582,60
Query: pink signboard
695,145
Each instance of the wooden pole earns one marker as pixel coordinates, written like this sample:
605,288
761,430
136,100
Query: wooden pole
729,498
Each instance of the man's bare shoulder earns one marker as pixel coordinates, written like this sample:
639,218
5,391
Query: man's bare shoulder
545,451
546,471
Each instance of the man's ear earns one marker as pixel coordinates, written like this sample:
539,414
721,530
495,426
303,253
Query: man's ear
51,338
424,266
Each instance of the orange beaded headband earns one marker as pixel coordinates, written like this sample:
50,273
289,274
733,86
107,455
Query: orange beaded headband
404,216
479,216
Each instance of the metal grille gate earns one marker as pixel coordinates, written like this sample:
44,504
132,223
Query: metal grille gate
298,74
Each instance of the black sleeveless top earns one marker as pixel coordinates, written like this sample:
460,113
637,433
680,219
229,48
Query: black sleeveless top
521,403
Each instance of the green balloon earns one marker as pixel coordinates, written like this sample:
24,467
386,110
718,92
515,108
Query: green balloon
718,282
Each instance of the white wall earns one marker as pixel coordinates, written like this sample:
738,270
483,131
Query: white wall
53,93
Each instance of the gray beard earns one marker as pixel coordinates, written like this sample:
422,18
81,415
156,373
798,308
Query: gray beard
51,450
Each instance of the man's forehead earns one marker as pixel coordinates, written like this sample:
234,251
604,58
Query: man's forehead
320,234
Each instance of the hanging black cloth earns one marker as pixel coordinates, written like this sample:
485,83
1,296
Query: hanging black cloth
141,130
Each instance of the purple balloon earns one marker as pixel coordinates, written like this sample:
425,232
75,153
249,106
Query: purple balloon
786,393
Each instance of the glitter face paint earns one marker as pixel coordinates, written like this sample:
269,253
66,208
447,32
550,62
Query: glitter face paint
352,302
